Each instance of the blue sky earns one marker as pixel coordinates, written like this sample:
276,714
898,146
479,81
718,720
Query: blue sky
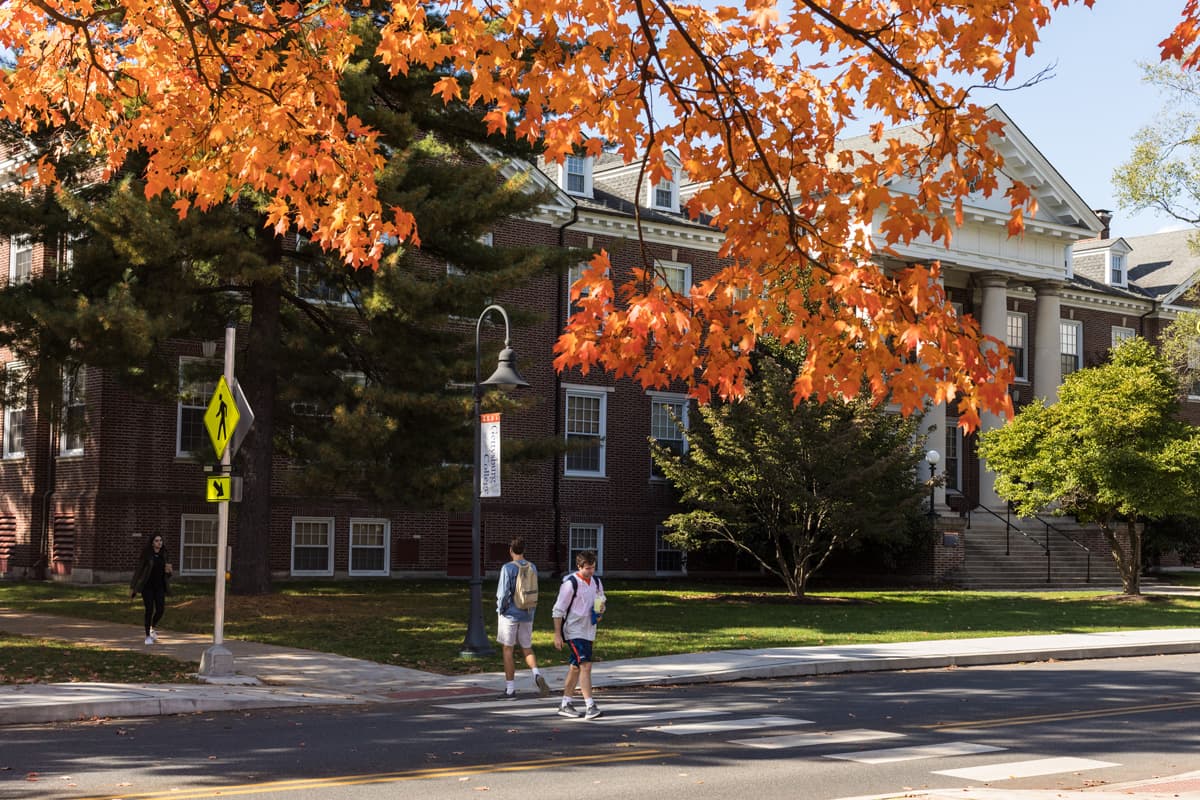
1084,118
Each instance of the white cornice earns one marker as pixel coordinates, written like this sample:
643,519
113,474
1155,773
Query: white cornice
1104,302
598,223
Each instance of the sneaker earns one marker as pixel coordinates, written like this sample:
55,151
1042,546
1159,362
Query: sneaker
154,634
149,640
592,712
569,710
543,687
508,696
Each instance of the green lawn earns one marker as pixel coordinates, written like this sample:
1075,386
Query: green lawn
421,624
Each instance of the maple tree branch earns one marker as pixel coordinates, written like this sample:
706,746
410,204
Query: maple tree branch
870,40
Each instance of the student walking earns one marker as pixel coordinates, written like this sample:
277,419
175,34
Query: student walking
516,604
579,606
150,578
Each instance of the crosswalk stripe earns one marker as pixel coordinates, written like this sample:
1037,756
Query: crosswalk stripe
521,701
723,725
625,719
816,739
549,709
1025,769
890,754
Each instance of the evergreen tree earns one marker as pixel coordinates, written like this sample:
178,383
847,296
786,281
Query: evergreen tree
791,483
348,372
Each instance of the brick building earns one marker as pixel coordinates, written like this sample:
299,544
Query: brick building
79,501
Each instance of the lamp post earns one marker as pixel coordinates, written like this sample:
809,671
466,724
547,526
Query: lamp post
505,377
932,458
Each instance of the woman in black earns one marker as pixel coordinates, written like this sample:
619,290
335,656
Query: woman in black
150,578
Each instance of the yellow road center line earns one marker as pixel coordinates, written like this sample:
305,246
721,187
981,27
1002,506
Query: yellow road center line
299,784
1085,714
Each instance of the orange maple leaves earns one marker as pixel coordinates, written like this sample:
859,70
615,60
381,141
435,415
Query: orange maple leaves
227,97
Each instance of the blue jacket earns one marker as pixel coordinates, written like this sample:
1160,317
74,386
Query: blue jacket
504,593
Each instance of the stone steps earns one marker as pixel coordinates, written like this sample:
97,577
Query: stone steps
994,561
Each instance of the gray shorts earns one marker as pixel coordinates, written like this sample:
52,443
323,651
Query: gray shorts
509,632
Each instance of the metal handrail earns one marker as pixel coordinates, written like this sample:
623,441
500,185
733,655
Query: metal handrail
1009,525
1072,540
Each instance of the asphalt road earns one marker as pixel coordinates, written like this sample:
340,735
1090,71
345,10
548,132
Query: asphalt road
1059,725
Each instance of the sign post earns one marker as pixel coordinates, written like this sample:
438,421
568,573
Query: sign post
221,419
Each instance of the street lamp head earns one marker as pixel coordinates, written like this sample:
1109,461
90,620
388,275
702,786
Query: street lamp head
933,457
208,348
506,376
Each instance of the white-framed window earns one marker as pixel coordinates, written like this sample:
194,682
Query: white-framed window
74,406
198,544
197,382
66,251
370,546
312,545
675,276
587,410
668,560
952,464
1193,365
1070,337
1017,337
1121,334
312,286
1117,275
576,175
20,259
574,274
665,195
663,429
14,410
586,536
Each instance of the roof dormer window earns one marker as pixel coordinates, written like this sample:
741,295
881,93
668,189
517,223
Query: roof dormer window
1117,275
665,195
576,172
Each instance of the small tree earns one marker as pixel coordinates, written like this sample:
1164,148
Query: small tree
789,483
1111,450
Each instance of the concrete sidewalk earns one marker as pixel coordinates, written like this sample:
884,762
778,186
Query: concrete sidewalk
273,677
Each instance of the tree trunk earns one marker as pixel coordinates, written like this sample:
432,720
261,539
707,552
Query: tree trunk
1128,557
258,377
1132,583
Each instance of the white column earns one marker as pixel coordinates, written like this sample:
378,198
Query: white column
1047,372
993,321
933,428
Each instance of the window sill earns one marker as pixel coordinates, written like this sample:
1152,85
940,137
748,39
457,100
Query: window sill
586,476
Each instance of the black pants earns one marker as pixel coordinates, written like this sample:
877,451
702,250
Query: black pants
155,601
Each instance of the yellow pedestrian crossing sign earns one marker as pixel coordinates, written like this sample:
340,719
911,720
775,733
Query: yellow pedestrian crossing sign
222,417
218,488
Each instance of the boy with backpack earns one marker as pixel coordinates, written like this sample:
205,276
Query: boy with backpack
580,604
516,602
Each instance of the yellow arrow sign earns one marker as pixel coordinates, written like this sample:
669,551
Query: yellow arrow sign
222,417
218,488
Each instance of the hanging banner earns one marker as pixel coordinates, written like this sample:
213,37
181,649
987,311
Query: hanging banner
489,456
